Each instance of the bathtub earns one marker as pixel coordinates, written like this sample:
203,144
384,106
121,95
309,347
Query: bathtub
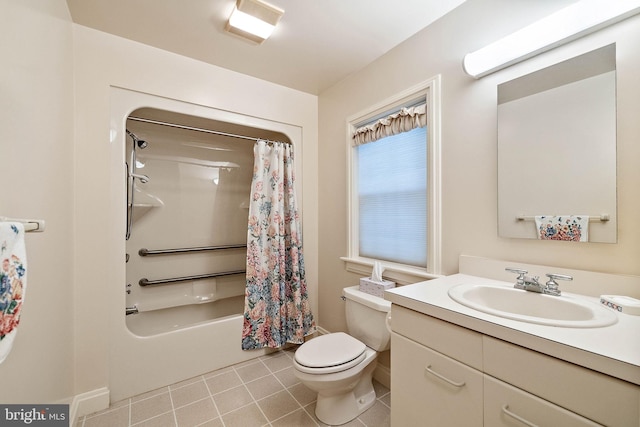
167,320
148,362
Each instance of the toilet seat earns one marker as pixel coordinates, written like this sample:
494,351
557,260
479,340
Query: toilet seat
330,353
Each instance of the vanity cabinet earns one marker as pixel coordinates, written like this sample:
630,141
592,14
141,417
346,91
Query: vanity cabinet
446,375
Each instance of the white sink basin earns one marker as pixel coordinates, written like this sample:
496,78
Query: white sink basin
566,310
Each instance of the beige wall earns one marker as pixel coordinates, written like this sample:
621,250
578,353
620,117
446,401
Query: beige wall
469,144
36,153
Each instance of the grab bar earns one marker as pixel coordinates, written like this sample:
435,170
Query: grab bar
147,282
147,252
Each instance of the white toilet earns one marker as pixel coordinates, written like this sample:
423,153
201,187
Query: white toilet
339,366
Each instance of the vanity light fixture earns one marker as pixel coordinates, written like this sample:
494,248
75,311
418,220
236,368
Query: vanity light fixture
563,26
254,20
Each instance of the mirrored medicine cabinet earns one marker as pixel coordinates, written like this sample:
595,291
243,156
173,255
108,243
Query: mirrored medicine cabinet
557,146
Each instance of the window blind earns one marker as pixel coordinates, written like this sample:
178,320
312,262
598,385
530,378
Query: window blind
392,197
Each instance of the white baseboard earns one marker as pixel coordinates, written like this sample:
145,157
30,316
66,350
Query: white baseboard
382,374
322,331
88,403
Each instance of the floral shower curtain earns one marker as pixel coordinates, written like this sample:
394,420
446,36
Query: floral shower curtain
276,304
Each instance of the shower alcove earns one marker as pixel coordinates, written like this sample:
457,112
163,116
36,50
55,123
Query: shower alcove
187,218
182,296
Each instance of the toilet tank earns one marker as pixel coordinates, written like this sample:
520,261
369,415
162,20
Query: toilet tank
366,318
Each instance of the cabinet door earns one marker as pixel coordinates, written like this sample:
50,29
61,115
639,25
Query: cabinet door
507,406
431,389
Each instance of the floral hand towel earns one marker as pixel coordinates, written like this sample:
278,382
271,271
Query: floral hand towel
570,228
13,282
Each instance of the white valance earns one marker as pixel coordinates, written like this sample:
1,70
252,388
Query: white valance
402,121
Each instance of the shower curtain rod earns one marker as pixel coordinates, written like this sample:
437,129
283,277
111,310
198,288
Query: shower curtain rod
215,132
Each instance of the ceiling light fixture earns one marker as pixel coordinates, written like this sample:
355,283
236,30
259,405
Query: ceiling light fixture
254,20
563,26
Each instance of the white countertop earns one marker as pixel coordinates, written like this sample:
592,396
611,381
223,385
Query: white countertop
613,350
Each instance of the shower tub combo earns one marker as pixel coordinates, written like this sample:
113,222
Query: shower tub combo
188,180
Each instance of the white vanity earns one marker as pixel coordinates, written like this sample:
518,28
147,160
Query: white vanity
452,365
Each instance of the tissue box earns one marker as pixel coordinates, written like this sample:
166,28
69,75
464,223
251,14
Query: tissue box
375,287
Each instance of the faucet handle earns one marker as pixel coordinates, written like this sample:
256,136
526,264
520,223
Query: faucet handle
516,270
520,279
551,287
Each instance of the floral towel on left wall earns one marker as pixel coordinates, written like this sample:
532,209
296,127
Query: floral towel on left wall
13,282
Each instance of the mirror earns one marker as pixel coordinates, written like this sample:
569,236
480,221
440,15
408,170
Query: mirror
557,147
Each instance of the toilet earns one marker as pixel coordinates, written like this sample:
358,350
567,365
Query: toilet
339,366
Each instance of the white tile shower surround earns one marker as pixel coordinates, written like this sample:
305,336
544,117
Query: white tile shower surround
260,392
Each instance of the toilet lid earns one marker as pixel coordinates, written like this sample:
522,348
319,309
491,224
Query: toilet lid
329,350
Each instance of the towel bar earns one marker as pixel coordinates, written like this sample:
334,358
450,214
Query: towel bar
147,282
30,225
601,218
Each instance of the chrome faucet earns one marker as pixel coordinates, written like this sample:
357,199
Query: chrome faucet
531,284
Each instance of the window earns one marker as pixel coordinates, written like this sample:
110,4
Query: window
394,190
392,198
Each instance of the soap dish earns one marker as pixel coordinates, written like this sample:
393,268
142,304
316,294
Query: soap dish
621,303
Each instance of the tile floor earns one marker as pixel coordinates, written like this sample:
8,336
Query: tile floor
260,392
